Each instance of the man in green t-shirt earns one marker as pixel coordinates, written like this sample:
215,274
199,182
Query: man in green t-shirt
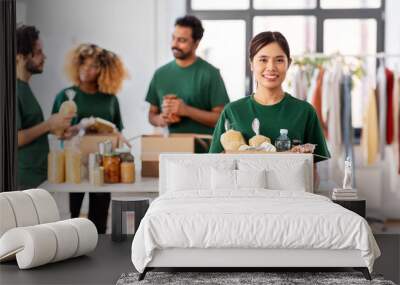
33,145
195,91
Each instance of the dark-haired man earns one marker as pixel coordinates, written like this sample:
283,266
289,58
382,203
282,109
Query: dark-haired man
194,90
33,145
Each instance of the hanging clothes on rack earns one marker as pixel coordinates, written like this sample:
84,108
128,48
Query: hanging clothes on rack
397,119
331,91
325,97
370,131
327,83
299,82
396,115
381,86
316,100
391,150
334,116
347,126
393,90
313,84
389,112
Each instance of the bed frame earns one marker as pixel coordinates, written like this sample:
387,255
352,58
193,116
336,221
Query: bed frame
241,259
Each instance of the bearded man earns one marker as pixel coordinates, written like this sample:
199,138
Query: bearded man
188,93
33,146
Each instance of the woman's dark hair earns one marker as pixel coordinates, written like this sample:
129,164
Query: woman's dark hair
265,38
26,39
193,23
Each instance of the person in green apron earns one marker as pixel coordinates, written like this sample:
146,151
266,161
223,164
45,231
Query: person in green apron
275,109
97,75
32,129
197,85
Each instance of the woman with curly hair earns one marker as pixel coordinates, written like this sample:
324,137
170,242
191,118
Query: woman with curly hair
97,75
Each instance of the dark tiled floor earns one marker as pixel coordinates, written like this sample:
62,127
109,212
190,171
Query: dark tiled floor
102,266
110,260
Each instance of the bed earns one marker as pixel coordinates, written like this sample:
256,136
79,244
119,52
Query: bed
247,210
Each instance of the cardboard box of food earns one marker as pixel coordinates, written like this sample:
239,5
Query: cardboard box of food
89,143
150,169
153,145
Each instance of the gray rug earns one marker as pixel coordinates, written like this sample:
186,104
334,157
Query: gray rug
243,278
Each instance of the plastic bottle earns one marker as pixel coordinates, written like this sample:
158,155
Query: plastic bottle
55,162
282,143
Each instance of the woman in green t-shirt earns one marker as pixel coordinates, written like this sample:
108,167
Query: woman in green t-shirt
269,60
97,75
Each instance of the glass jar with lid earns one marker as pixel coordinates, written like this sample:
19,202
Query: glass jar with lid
112,165
127,165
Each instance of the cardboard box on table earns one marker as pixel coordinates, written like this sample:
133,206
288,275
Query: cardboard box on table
90,143
153,145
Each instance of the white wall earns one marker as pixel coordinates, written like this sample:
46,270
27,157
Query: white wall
392,29
166,14
137,30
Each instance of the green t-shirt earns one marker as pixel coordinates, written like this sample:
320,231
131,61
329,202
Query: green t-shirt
297,116
32,158
199,85
102,105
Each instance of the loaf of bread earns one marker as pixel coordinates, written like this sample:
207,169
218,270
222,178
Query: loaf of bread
257,140
67,108
102,126
231,140
244,147
267,146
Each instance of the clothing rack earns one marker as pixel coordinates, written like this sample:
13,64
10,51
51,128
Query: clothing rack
315,59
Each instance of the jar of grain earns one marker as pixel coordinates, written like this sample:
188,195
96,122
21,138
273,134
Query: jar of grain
112,165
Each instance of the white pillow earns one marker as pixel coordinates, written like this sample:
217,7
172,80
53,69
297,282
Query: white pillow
293,180
288,174
184,177
236,179
223,179
251,178
188,175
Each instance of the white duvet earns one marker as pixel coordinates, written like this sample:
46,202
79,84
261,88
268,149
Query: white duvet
250,219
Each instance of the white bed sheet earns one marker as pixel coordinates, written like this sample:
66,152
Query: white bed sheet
251,218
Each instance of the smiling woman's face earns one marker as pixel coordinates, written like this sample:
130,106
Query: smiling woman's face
269,66
89,71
